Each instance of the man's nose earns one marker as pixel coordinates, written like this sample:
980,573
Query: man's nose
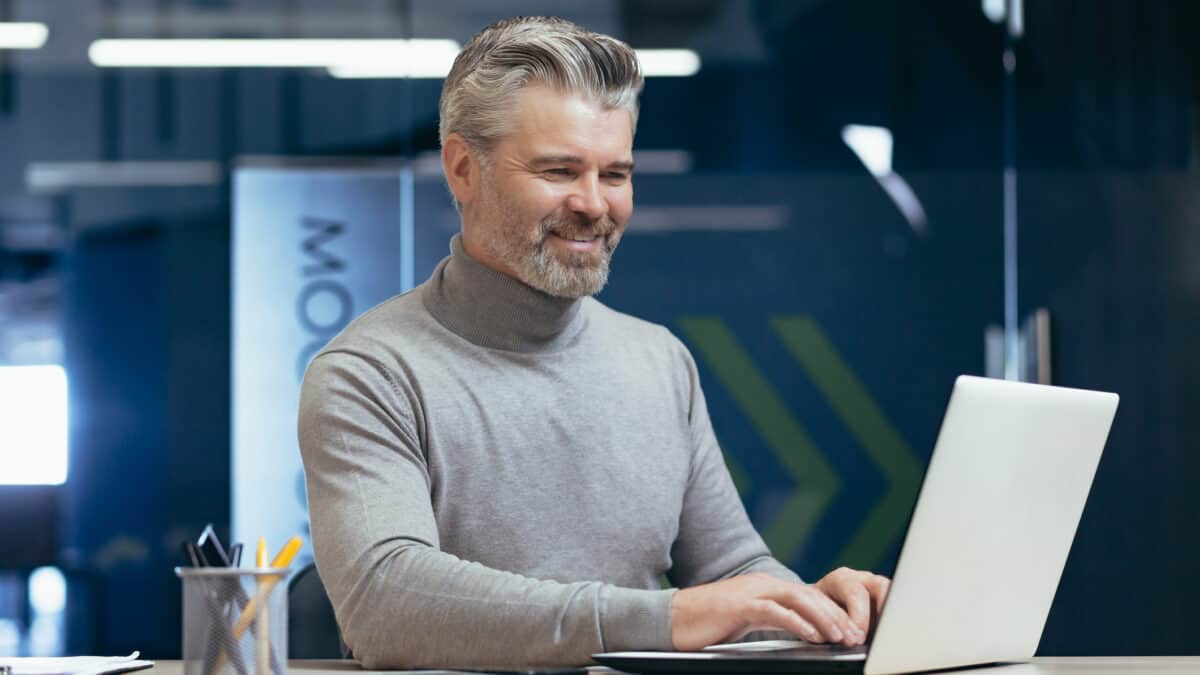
587,198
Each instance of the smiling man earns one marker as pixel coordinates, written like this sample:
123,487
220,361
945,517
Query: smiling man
547,204
500,468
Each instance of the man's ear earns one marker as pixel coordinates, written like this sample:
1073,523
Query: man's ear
461,167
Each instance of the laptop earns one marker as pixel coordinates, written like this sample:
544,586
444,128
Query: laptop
985,547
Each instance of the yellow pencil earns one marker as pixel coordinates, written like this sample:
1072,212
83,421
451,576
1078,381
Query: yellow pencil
281,560
262,646
287,553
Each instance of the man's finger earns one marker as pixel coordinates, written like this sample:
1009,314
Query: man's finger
770,615
812,604
855,597
878,585
852,632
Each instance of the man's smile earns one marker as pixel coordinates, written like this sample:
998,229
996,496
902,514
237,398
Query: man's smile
580,243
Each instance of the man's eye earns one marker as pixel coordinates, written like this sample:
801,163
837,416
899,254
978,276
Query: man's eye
559,172
617,176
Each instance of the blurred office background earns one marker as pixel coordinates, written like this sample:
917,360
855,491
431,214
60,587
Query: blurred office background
822,215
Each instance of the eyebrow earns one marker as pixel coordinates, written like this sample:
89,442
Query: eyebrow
576,159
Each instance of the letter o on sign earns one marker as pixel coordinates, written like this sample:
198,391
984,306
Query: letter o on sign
313,305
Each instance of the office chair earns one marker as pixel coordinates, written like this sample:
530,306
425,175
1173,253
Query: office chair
312,629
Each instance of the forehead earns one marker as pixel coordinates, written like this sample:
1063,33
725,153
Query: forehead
545,120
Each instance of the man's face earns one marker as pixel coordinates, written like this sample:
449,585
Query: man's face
556,194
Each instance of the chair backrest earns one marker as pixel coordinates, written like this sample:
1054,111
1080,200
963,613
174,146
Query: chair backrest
312,628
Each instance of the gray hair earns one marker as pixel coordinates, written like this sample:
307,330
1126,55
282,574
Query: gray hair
496,64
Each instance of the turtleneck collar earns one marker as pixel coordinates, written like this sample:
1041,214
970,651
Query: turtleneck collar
496,311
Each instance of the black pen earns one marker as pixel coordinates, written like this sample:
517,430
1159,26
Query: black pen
193,555
210,548
216,601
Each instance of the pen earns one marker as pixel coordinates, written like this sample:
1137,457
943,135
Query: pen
216,599
193,556
210,548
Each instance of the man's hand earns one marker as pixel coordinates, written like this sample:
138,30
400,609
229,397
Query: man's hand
725,611
860,594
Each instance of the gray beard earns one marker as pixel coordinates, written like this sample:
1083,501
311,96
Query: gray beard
548,274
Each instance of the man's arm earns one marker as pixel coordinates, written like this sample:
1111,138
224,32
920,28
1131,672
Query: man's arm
402,603
716,538
732,585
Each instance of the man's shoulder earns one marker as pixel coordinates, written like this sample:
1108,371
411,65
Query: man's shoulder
629,327
373,333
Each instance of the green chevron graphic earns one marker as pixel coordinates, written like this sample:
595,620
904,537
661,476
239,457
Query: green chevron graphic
741,477
816,482
870,427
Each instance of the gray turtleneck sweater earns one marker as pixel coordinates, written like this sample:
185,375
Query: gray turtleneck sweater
500,478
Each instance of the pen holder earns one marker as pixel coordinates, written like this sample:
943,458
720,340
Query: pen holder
234,621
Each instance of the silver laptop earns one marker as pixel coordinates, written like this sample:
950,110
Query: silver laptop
985,548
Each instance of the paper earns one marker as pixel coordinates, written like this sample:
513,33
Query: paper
74,665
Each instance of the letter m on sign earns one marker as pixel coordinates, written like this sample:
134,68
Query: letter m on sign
323,232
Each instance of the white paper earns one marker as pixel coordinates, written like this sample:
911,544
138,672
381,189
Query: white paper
75,665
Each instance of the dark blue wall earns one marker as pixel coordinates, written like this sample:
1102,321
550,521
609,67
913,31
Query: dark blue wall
147,343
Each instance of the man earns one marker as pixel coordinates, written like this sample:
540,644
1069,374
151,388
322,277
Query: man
500,468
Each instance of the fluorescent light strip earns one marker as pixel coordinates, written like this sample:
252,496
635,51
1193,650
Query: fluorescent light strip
357,58
265,53
431,69
15,35
428,64
669,62
655,63
57,176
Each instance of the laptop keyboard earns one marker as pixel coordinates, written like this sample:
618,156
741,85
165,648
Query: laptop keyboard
784,648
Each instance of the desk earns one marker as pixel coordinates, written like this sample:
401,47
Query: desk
1075,665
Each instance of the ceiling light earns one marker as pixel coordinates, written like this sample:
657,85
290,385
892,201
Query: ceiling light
669,62
436,64
22,35
873,145
994,10
44,177
264,53
432,59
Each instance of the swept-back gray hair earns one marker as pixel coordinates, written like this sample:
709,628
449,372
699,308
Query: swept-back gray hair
481,89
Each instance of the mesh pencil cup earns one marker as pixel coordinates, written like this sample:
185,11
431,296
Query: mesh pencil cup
234,621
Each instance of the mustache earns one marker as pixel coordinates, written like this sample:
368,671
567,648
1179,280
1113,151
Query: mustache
578,225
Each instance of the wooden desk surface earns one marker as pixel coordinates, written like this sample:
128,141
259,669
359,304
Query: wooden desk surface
1075,665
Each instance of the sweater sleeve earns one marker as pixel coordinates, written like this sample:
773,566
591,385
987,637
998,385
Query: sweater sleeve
716,538
400,601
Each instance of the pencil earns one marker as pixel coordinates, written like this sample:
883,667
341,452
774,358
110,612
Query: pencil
263,642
